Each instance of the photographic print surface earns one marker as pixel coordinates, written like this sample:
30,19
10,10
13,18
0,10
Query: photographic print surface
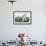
22,17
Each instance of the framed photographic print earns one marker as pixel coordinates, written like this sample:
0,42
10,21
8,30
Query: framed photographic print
22,17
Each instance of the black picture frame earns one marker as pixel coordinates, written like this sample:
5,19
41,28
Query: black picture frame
22,17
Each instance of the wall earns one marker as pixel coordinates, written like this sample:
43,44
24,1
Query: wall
9,31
